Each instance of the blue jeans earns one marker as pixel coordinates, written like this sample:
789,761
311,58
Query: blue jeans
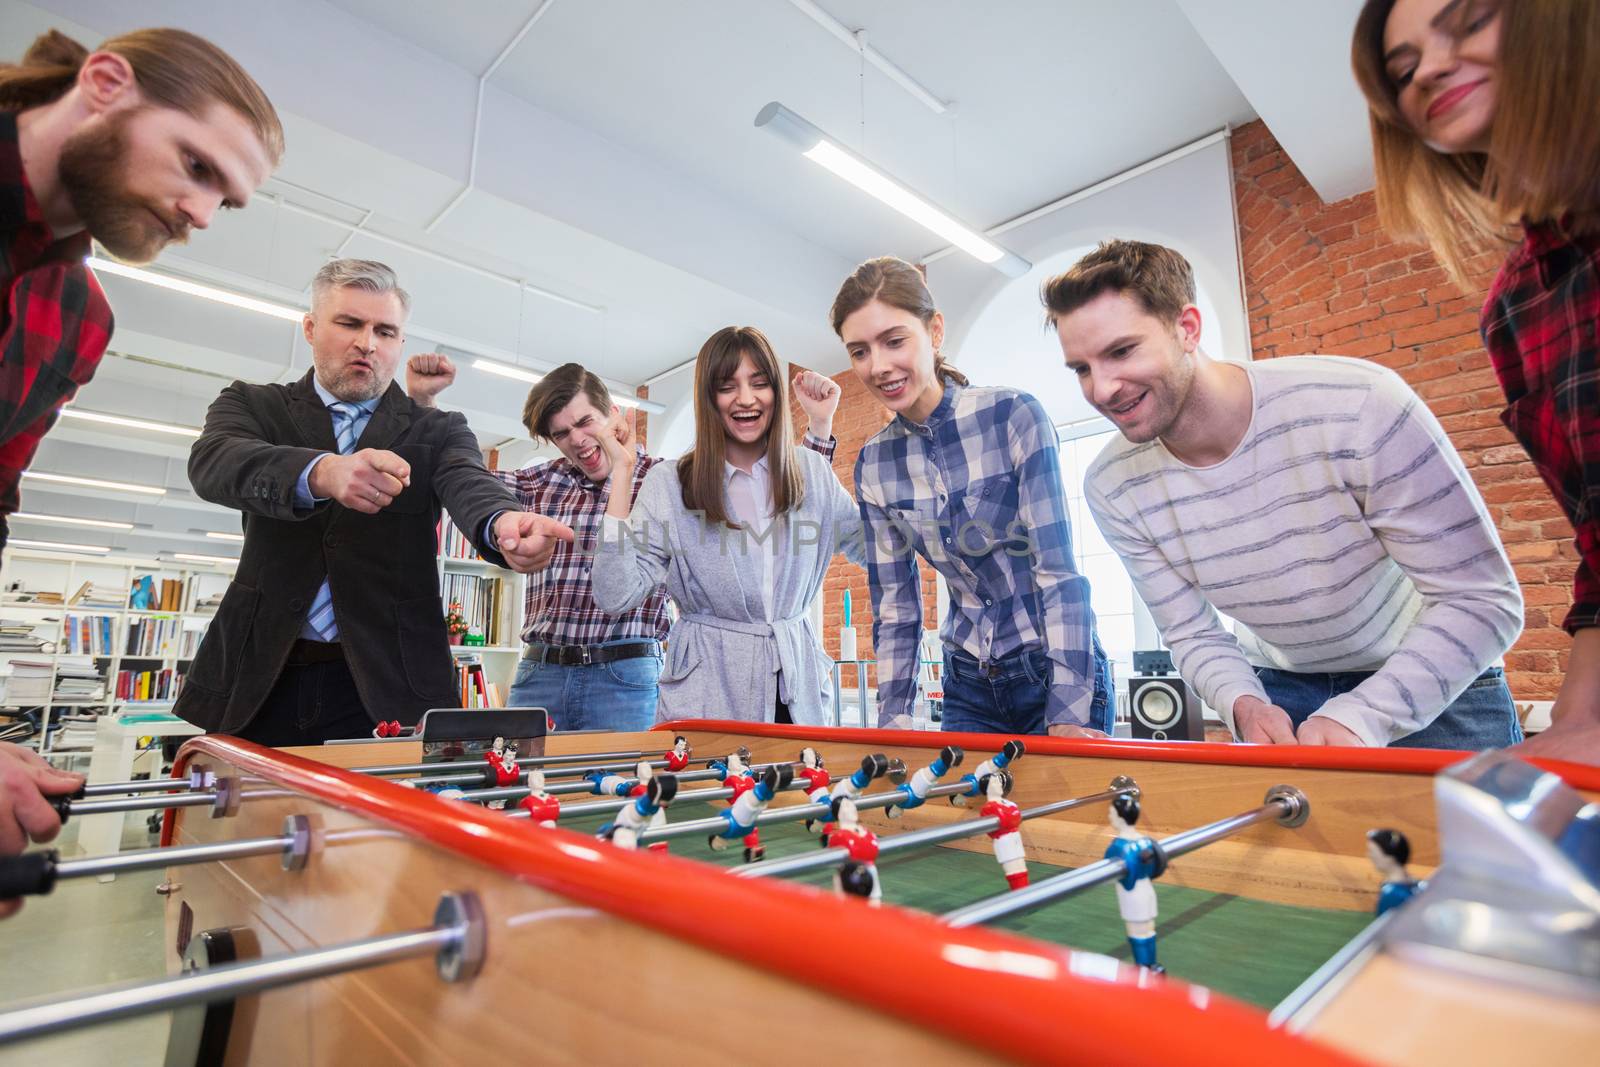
1010,697
1482,717
620,695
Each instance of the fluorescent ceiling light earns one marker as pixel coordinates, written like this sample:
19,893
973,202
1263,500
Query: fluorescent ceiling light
17,542
207,292
96,483
819,148
523,374
71,520
123,420
224,536
193,557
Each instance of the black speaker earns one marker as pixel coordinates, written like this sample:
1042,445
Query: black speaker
1161,706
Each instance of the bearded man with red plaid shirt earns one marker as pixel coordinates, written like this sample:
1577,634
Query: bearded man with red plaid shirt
592,671
133,146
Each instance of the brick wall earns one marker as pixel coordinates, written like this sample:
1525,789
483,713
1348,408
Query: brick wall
640,420
1324,278
858,418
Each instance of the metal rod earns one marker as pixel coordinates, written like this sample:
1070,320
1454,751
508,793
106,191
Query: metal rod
607,807
1289,1012
146,859
137,803
525,761
1284,806
794,813
933,835
574,771
225,982
513,792
138,785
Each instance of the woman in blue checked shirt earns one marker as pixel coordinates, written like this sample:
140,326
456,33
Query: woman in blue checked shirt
969,479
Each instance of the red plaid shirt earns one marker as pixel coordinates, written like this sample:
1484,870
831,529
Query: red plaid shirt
1540,327
55,321
560,607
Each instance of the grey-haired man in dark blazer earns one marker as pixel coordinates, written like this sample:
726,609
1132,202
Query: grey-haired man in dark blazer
333,621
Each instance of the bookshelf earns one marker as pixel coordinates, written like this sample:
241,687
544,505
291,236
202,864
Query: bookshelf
73,644
491,598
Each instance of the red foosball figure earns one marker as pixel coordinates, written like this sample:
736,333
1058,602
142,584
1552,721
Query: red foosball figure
858,876
678,757
542,808
1007,837
817,779
503,758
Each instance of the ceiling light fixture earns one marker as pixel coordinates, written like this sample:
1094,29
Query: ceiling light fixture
132,423
95,483
71,520
206,292
524,374
60,546
194,557
224,536
822,149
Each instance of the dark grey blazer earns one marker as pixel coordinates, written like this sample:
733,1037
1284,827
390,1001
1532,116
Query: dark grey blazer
380,568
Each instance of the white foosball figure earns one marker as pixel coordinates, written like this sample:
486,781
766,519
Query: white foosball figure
872,767
642,811
1009,753
749,802
858,876
916,790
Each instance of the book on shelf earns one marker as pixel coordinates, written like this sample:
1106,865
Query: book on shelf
148,685
476,690
453,544
72,732
17,635
88,634
30,682
152,638
208,603
78,680
147,594
18,593
480,597
88,596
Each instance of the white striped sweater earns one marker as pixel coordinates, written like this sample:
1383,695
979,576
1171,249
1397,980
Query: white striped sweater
1342,534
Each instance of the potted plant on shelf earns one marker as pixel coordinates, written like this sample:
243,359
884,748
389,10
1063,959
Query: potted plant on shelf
454,623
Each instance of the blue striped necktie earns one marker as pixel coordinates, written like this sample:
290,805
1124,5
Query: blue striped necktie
344,433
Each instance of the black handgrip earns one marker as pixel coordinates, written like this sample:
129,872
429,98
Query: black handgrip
62,806
28,875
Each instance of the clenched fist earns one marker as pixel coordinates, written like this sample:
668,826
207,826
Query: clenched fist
366,481
428,375
819,397
527,540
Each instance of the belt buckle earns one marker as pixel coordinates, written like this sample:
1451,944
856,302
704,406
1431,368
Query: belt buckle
585,655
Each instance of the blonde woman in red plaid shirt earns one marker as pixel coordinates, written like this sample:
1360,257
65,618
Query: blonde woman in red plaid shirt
1486,135
591,670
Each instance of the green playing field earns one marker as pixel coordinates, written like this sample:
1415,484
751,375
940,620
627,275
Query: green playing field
1247,949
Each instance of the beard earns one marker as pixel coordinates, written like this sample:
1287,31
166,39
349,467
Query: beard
93,171
353,386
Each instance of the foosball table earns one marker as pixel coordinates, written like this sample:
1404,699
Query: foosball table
711,891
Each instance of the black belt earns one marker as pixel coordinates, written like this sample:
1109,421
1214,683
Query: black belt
304,652
585,655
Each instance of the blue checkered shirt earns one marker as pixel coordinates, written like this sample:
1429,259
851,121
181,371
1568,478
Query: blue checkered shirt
977,492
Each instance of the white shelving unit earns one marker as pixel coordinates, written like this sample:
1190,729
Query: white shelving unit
499,659
43,571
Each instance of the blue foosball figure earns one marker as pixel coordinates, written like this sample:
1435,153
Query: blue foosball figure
1009,753
1136,892
1390,852
915,792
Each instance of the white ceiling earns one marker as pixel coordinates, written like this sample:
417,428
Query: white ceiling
618,168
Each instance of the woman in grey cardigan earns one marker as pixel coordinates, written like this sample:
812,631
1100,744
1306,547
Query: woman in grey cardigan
741,531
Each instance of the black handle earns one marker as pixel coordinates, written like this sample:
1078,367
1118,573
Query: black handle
62,806
30,874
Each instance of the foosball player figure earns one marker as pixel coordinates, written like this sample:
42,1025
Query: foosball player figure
678,756
1136,893
916,790
647,809
610,784
1390,852
817,780
1007,837
392,728
750,799
1010,752
872,767
645,775
858,876
542,808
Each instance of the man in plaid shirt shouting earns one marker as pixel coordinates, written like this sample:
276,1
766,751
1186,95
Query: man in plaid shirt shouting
592,671
133,146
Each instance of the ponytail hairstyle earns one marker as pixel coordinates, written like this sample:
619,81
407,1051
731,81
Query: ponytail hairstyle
174,68
900,285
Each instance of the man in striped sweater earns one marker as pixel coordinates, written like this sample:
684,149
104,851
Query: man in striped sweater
1314,500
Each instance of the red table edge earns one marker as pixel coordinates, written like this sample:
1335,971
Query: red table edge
1034,995
1427,761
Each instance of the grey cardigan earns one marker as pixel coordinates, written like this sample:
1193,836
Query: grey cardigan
724,660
